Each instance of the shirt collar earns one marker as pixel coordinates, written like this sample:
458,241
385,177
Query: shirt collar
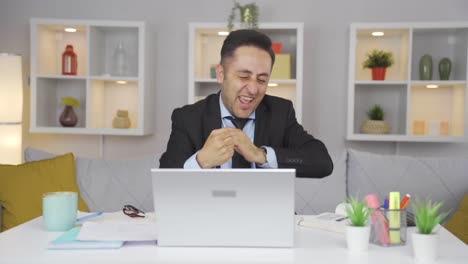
225,112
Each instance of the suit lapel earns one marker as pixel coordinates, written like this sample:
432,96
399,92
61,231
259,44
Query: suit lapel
212,117
262,125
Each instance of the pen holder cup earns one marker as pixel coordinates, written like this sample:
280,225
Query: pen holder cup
388,227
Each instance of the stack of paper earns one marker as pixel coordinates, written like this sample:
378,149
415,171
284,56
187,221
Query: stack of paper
126,231
110,230
326,221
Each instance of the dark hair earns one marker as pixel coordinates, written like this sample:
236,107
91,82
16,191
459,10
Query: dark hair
246,37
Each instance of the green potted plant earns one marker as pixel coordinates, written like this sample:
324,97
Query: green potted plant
378,61
375,124
68,118
248,14
358,230
426,218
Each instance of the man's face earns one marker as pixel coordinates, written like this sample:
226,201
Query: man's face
244,80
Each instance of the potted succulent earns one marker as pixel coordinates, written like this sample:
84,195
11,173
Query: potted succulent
358,230
68,117
375,124
248,15
378,61
426,218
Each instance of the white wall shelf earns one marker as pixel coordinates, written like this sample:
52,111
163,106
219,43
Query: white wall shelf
98,88
415,113
204,51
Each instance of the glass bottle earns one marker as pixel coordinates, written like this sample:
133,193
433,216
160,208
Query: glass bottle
69,61
119,61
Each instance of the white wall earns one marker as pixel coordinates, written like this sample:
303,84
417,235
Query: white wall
325,61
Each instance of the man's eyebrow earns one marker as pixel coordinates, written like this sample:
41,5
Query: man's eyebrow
244,71
249,72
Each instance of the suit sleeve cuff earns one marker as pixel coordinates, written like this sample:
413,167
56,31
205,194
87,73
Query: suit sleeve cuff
191,163
271,162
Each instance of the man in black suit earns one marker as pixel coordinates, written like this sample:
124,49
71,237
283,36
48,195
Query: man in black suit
241,126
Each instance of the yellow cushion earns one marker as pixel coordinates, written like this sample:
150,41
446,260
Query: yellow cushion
22,186
458,224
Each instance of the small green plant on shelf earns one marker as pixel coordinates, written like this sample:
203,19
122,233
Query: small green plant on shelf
248,15
357,211
375,124
376,112
70,101
427,216
378,58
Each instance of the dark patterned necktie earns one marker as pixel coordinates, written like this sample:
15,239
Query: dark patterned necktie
237,160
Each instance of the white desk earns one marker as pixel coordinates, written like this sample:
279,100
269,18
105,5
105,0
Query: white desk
27,244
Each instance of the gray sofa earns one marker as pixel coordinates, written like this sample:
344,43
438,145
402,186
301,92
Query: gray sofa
107,185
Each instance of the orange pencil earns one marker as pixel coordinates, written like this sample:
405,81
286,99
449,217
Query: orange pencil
405,201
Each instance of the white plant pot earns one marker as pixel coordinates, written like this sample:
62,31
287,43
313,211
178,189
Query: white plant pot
425,247
357,238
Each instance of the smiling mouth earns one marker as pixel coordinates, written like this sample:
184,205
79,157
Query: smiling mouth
245,100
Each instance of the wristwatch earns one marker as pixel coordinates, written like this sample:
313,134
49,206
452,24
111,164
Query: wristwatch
264,154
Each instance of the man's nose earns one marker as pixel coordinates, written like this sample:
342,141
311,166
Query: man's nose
252,86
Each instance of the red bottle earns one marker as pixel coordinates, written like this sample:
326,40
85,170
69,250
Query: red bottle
69,61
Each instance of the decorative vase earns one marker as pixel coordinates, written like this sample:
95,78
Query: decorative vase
445,66
68,117
357,238
246,17
213,71
375,127
378,73
425,67
425,247
121,120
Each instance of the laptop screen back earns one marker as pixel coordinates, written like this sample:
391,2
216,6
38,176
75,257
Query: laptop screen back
232,207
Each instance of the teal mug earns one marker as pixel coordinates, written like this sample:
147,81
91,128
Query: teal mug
59,210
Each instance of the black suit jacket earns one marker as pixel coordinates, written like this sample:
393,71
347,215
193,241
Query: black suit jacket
275,126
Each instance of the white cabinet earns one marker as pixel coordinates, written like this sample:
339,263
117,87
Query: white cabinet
98,89
414,110
205,44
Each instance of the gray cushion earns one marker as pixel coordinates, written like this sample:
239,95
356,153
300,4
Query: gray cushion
441,179
31,154
107,185
314,196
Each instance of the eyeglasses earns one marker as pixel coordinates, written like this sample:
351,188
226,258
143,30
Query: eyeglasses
132,211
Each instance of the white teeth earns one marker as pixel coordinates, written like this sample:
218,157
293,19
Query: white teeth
245,98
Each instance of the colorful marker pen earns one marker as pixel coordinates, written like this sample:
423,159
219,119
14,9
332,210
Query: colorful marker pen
405,201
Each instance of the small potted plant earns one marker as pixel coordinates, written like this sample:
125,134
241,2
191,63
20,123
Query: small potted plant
248,15
426,218
68,117
358,230
378,61
375,124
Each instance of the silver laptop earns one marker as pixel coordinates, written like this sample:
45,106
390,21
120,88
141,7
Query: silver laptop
224,207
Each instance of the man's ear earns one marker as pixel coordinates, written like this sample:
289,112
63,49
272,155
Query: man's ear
219,73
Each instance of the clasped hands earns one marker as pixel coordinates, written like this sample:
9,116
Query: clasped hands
221,144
